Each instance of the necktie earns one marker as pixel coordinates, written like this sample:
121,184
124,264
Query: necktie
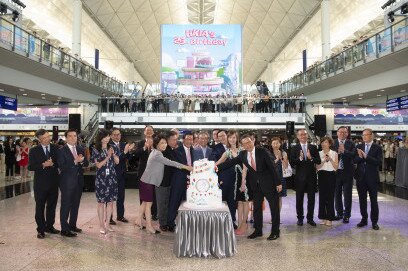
47,153
188,154
304,151
118,145
74,153
203,152
253,165
367,148
341,165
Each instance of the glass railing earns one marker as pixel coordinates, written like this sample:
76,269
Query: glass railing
389,40
24,43
236,104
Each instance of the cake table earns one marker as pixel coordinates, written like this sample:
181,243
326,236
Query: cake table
204,232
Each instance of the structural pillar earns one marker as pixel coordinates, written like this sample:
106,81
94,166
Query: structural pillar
325,10
76,27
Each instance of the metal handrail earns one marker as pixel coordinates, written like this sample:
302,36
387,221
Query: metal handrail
21,41
389,40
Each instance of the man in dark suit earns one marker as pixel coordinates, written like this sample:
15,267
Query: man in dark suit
163,191
304,157
264,181
43,161
122,151
143,149
368,159
71,160
202,151
219,149
344,175
180,178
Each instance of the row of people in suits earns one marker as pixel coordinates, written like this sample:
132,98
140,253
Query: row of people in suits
55,168
336,188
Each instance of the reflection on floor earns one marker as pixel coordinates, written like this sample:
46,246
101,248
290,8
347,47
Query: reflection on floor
342,247
15,186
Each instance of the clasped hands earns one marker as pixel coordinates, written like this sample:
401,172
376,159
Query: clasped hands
308,155
48,163
361,153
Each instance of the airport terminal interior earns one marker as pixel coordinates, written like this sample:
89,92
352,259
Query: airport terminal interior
203,135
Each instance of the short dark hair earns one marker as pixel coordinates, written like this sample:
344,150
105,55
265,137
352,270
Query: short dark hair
148,125
220,131
301,129
186,133
40,132
328,139
276,138
246,136
70,131
157,139
368,129
342,127
170,134
115,129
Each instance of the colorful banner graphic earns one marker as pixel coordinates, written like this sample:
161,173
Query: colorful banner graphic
369,116
201,59
34,115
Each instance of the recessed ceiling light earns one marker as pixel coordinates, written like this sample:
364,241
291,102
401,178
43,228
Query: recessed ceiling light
360,98
382,90
21,89
378,95
344,98
59,98
43,98
42,94
403,90
360,95
1,89
30,104
24,94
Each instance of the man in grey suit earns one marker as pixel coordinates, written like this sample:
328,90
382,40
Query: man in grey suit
202,151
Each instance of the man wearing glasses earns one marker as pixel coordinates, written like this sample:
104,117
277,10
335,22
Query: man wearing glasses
368,160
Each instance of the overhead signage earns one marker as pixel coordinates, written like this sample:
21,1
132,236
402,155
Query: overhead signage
8,103
397,104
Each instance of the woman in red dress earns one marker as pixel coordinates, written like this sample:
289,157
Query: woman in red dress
23,163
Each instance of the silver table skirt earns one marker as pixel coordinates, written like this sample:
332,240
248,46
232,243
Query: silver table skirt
204,233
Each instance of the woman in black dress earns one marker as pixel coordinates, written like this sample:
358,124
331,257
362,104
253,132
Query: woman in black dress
106,185
10,158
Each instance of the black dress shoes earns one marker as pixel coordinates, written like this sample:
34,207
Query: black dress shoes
337,218
40,235
273,236
346,220
164,228
68,234
76,229
311,223
112,222
122,219
300,222
171,228
52,230
362,224
375,227
254,235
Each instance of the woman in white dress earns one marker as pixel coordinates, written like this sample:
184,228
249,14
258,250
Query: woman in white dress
197,105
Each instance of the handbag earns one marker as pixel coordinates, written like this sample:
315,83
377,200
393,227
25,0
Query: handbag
18,157
287,172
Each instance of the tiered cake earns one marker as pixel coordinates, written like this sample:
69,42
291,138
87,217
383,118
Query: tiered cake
203,191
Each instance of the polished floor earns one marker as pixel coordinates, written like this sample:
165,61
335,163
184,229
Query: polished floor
342,247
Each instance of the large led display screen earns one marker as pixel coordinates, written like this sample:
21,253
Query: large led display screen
33,115
369,116
201,59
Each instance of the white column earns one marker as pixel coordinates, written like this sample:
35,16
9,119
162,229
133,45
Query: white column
325,10
76,27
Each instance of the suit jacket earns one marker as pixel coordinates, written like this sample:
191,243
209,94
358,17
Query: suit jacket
169,153
198,153
119,151
347,156
71,174
153,173
305,169
180,175
217,152
10,153
44,177
142,156
368,168
265,174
